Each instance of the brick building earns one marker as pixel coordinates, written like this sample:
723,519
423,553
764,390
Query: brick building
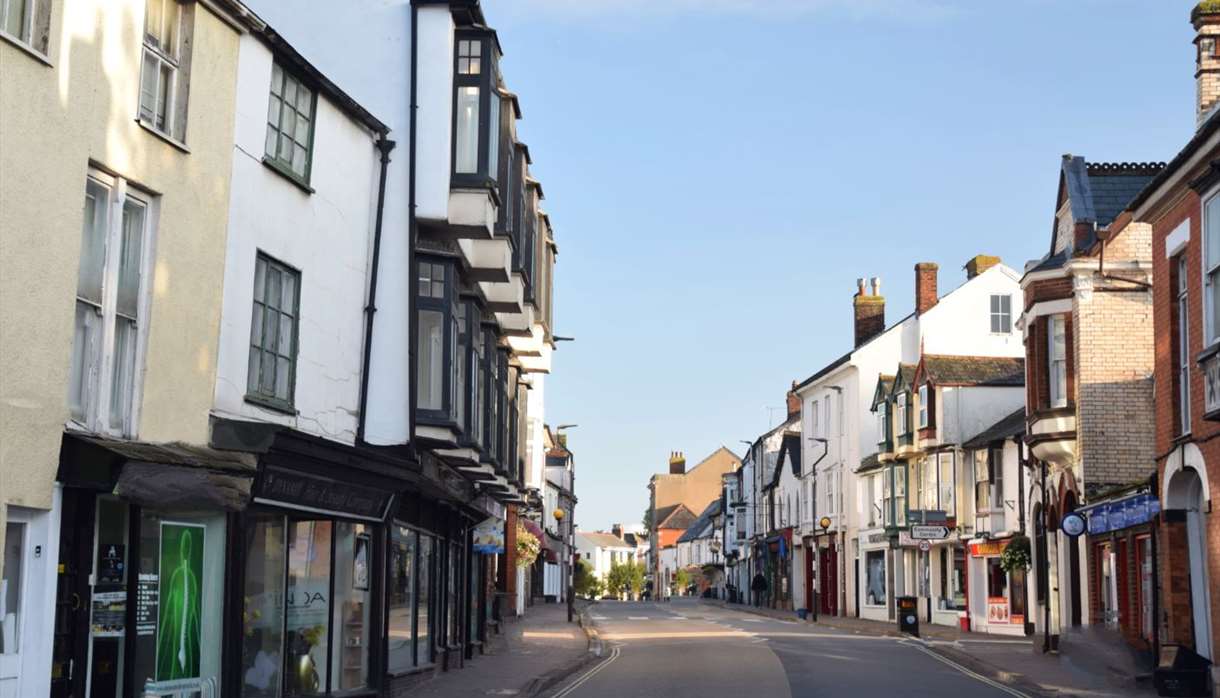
1182,207
1089,353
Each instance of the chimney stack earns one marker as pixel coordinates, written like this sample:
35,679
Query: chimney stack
980,263
794,403
869,310
617,530
925,287
677,463
1206,20
562,441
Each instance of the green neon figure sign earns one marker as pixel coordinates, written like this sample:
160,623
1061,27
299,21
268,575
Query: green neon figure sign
179,633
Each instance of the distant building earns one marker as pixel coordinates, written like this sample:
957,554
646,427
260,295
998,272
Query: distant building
693,489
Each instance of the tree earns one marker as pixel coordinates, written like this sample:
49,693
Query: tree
582,577
618,579
647,520
636,575
681,581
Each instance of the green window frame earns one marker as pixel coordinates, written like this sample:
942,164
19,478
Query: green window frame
291,110
274,329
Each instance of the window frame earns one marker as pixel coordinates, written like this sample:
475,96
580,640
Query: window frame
474,357
924,422
900,410
1211,333
447,306
487,82
1056,366
1183,338
275,162
257,397
98,364
1003,314
38,13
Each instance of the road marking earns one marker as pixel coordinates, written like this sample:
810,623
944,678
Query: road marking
599,617
979,677
679,635
750,620
537,634
614,653
637,617
826,636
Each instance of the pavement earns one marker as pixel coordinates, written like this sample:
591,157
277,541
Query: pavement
529,656
691,648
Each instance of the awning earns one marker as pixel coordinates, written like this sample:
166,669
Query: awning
177,476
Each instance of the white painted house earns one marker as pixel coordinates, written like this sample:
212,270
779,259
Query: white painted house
602,550
974,319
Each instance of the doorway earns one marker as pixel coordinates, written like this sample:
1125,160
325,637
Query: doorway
1185,492
828,566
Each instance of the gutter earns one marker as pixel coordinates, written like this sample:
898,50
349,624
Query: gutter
384,146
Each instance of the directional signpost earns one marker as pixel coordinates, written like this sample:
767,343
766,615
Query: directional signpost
929,532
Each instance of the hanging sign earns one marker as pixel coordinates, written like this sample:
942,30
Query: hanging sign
989,548
1073,524
488,536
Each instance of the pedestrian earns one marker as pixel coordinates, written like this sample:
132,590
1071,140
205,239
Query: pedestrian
759,587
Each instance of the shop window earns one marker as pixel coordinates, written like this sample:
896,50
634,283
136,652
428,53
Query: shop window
351,617
307,637
400,598
952,579
874,567
425,635
10,588
262,610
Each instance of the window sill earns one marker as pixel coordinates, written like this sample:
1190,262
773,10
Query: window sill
26,48
288,174
272,405
172,141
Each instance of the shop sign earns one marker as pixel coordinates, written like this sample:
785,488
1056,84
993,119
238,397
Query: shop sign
489,536
997,609
146,604
1125,513
293,489
989,548
878,538
109,613
1073,523
180,601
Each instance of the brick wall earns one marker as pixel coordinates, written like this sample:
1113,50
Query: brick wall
1114,361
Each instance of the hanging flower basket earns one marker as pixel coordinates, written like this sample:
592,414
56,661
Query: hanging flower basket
1016,555
528,547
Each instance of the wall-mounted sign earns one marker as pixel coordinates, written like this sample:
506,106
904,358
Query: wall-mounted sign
1124,513
488,536
988,548
1073,524
290,488
180,626
146,604
997,609
109,613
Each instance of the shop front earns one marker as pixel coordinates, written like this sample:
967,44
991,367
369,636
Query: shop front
875,563
1122,565
140,596
778,569
997,598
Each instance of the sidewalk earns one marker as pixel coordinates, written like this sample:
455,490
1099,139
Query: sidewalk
532,653
1092,662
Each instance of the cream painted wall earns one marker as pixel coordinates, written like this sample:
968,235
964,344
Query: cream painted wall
55,120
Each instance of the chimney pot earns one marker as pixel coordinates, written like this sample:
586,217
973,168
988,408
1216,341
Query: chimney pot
860,286
925,287
794,403
677,463
869,311
876,281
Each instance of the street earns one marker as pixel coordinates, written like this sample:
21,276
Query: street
686,648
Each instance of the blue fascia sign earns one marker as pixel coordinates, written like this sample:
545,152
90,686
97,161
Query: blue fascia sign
1124,513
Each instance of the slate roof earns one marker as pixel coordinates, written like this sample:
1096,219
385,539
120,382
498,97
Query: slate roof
632,539
675,516
702,525
1009,427
790,449
869,462
603,540
973,370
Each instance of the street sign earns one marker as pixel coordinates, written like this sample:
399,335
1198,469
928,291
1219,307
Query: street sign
1073,524
929,532
924,546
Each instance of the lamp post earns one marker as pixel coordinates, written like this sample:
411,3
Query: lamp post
715,547
568,539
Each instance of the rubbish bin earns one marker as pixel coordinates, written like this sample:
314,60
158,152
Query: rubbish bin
908,615
802,613
1180,672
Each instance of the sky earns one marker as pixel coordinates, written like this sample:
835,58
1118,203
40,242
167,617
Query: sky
719,173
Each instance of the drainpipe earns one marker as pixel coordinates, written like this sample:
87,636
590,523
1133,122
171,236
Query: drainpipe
1046,552
384,146
412,234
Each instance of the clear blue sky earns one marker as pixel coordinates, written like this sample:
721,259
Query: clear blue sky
719,172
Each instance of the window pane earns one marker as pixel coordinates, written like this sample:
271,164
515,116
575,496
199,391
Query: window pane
298,160
129,259
493,135
353,605
273,110
431,359
283,368
290,90
1213,282
423,627
84,356
14,547
273,137
166,75
122,376
304,100
1211,217
267,374
948,498
285,151
262,611
301,130
93,242
277,79
148,86
154,19
260,278
466,134
309,566
400,598
252,374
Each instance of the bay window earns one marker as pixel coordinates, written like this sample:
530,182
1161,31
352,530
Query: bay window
476,109
475,387
948,484
1211,267
923,406
1057,360
437,358
107,344
900,414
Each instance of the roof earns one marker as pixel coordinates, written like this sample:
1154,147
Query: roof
674,516
701,525
1205,132
869,462
837,362
1009,427
972,370
632,539
885,385
603,540
790,448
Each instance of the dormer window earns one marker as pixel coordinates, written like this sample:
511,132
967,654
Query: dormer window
901,414
923,406
476,110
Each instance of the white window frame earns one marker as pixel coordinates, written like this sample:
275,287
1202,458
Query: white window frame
100,374
162,58
900,409
826,427
813,417
1057,392
1002,314
923,406
26,38
1210,332
1183,346
839,416
882,423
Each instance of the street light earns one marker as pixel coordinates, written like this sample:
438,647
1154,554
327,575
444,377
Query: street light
559,514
